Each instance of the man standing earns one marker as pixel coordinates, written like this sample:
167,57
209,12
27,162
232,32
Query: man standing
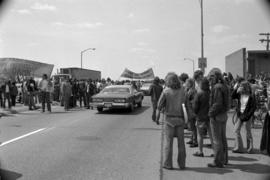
6,90
218,118
155,92
13,93
31,86
45,94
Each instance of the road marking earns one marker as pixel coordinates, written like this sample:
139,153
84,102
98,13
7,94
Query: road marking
20,137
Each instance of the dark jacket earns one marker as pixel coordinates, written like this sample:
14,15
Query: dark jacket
250,107
219,98
155,92
31,85
13,90
201,105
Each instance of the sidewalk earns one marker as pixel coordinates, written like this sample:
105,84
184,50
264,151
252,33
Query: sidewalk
241,166
22,108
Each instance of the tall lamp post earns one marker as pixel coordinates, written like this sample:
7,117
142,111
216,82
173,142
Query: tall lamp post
191,61
83,52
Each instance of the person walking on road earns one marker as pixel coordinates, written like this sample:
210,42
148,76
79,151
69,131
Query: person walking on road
201,109
45,93
155,92
218,117
246,102
171,100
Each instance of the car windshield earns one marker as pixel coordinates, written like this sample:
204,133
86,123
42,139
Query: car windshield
115,90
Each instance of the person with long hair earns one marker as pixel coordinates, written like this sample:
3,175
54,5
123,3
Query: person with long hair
171,101
265,139
201,108
191,92
155,92
219,105
245,110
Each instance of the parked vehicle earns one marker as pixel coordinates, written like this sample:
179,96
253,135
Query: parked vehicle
146,89
117,96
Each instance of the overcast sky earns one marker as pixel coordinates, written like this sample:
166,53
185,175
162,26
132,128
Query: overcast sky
133,34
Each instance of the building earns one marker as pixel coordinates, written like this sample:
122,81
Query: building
243,63
258,61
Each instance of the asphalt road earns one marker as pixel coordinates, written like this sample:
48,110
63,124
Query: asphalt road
112,145
81,145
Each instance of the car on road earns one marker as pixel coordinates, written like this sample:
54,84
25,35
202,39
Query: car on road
146,89
117,97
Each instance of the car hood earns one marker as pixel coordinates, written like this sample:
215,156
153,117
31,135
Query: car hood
111,96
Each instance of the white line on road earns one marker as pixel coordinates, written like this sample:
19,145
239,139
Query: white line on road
20,137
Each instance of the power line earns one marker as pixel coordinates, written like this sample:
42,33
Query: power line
267,40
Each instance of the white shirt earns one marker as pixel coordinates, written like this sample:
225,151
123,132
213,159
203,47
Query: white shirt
43,85
243,102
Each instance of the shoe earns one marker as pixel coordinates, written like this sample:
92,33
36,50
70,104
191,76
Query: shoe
198,154
211,155
157,122
190,142
168,168
194,145
213,165
237,151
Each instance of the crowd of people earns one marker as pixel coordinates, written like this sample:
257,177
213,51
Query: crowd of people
69,93
206,101
199,104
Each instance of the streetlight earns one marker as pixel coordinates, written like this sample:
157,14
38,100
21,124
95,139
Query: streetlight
191,61
85,51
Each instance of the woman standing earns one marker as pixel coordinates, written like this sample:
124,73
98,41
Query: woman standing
171,100
201,109
191,92
245,110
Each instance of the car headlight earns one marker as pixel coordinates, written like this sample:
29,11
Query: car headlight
97,100
119,100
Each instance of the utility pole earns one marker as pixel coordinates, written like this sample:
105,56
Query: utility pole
202,34
267,40
202,61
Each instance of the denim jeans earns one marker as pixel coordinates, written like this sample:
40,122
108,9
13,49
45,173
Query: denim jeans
238,138
7,98
45,98
31,100
218,128
170,133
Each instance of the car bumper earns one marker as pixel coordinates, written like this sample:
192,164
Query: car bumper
110,105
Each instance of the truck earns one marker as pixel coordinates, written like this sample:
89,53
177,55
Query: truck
72,73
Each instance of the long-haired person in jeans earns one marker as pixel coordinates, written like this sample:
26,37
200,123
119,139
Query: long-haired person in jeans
171,100
245,110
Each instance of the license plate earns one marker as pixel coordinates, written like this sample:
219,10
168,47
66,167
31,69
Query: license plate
108,105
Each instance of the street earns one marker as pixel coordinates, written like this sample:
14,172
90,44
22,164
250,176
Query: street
81,144
86,145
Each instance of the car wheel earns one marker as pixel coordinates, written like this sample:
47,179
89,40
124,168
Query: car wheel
100,109
131,107
140,104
